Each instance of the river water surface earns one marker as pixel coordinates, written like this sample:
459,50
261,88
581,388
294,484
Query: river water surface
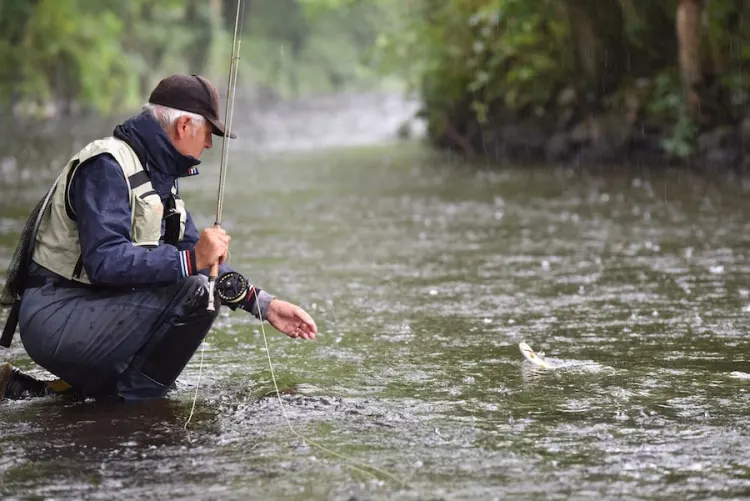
423,274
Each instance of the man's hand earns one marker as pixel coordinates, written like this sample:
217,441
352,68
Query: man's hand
291,320
212,247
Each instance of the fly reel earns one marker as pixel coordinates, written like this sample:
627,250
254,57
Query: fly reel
232,288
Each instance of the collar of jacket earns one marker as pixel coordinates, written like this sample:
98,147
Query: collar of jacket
156,152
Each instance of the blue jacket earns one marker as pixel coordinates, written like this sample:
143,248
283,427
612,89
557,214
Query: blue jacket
99,197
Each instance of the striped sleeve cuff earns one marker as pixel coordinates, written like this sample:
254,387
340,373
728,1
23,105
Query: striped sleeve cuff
257,302
187,263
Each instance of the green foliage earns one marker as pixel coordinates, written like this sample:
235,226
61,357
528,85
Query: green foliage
666,96
484,53
105,55
681,143
91,54
471,61
516,56
51,51
299,47
475,61
728,47
313,8
667,105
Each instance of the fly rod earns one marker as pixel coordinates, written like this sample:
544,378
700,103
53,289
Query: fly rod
231,87
229,112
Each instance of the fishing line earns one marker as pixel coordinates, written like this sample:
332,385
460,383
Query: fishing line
352,463
231,86
197,385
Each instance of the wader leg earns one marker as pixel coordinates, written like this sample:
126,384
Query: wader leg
157,365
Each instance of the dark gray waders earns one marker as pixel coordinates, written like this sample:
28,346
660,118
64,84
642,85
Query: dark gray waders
132,344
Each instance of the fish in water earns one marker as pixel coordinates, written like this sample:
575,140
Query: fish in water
535,359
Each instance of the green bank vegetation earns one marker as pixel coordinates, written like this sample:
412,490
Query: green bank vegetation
554,79
71,56
673,68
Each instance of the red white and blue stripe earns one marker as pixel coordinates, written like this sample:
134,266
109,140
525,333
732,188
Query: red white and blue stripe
187,263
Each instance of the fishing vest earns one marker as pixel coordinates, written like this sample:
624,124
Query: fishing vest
57,246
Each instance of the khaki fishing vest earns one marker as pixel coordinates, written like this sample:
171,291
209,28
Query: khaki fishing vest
57,246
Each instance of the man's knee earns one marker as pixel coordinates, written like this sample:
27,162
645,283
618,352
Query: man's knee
173,343
163,358
196,280
194,297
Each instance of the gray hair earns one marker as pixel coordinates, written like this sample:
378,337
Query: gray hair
167,116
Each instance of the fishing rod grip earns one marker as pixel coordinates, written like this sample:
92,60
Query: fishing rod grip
212,286
212,276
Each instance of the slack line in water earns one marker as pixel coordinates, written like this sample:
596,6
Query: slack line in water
240,291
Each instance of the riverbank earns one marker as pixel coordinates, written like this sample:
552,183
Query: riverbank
598,140
569,134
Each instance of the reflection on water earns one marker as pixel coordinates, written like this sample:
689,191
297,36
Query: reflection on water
424,275
60,448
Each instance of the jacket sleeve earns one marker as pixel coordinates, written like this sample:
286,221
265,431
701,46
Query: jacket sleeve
99,197
258,306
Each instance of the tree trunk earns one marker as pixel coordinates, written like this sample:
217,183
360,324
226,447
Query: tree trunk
597,27
688,25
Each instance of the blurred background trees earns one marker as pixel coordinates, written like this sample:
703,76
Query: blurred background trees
671,68
104,55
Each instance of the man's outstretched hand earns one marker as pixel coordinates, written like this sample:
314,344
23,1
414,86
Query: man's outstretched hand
291,320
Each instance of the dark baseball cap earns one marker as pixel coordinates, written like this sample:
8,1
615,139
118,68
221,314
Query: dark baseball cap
192,93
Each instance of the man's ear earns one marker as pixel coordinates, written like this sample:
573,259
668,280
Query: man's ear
183,127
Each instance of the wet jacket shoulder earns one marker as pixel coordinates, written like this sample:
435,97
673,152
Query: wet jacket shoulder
99,198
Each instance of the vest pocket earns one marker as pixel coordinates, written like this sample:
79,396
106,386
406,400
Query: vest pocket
147,214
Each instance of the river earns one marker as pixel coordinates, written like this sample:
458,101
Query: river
424,273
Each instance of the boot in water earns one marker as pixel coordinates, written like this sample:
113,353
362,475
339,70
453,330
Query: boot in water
15,385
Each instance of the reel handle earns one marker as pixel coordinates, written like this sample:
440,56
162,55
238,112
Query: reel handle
213,274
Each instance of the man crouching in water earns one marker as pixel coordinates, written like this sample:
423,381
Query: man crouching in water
113,300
